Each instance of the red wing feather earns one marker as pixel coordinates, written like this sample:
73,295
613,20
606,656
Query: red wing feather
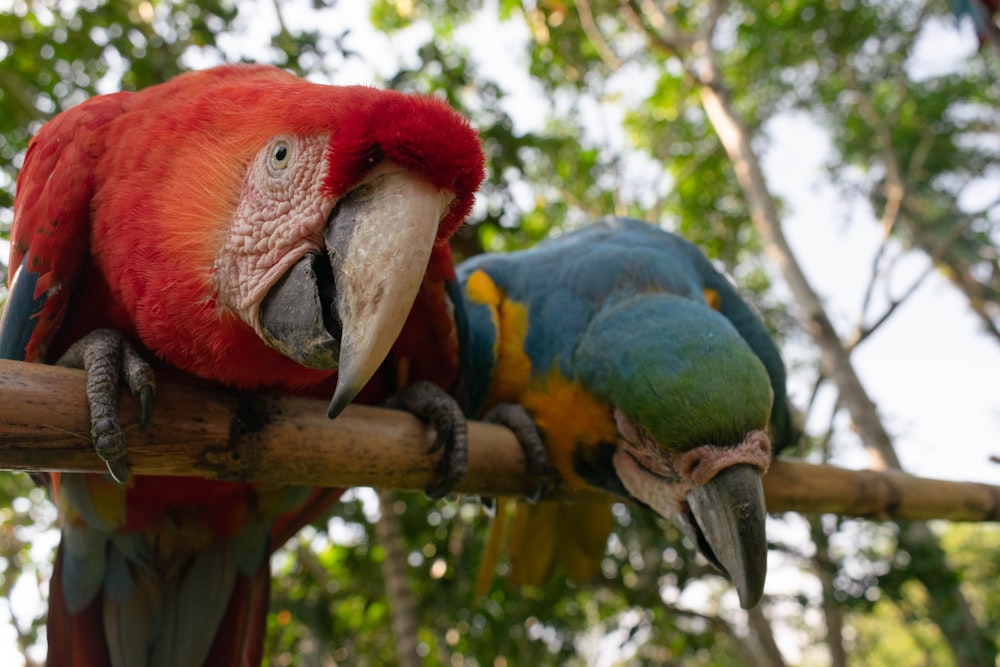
51,234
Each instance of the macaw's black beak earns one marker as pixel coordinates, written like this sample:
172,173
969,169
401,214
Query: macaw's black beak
726,518
343,307
298,316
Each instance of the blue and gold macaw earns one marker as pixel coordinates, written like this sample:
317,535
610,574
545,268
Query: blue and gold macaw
646,375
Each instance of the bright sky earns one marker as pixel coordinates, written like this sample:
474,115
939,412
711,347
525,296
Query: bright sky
930,369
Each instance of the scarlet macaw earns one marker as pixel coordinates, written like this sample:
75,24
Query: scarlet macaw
647,376
235,226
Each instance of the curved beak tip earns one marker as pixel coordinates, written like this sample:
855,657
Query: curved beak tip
729,518
378,274
749,589
342,397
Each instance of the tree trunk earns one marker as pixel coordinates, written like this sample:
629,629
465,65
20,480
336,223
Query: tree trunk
826,571
389,533
949,608
763,633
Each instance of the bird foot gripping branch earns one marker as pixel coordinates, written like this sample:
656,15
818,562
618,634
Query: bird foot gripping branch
536,457
428,402
111,362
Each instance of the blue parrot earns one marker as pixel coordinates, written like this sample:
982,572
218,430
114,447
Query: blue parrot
646,375
982,13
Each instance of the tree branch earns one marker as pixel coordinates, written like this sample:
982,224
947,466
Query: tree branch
826,570
288,440
593,33
662,26
873,279
764,634
663,32
863,332
895,186
282,28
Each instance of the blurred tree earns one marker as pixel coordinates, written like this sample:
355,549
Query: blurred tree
56,54
625,118
920,146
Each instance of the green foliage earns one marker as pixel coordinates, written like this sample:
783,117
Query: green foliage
924,136
53,56
846,64
972,551
25,561
899,634
337,604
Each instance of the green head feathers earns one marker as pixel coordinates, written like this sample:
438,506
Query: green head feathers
677,368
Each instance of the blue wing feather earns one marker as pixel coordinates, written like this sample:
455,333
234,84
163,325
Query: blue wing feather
20,313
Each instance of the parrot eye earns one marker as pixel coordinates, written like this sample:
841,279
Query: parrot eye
280,155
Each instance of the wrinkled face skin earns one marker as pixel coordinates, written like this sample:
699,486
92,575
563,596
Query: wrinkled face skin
280,217
684,471
326,281
714,493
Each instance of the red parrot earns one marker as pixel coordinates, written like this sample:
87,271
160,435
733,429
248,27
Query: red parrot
236,226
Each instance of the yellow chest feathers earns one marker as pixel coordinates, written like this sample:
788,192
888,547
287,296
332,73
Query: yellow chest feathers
568,416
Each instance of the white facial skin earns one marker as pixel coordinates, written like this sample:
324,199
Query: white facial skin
662,479
378,242
280,217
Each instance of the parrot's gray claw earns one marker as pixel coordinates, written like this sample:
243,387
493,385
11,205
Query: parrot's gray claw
146,405
431,404
536,456
109,442
110,362
119,470
489,505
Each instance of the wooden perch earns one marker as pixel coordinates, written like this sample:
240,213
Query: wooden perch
287,440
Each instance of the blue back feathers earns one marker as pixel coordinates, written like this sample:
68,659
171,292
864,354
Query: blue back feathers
588,279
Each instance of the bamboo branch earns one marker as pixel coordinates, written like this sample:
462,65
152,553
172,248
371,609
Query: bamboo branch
236,436
289,440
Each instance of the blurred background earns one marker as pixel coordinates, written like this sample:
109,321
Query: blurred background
870,240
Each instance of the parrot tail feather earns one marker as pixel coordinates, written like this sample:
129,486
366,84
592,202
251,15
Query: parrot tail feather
239,640
75,640
491,552
209,609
